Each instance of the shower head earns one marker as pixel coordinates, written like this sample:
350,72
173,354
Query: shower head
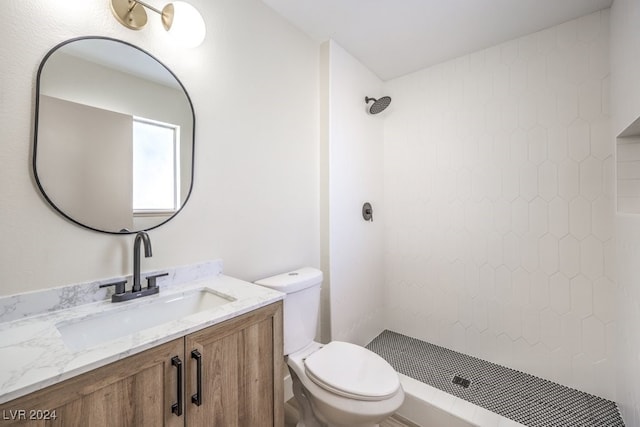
378,105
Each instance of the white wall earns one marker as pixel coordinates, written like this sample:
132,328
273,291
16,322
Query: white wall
255,197
499,205
354,171
625,105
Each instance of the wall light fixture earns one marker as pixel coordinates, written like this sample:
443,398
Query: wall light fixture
182,21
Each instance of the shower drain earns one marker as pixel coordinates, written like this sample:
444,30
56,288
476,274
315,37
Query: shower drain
462,382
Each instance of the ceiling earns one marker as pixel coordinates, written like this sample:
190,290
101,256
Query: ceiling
396,37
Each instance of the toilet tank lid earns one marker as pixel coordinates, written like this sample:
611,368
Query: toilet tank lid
293,281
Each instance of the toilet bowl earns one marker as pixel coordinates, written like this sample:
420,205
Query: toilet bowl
338,384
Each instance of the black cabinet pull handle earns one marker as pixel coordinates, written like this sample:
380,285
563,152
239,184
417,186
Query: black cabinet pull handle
176,408
197,398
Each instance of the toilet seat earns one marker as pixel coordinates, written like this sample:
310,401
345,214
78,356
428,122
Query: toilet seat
352,371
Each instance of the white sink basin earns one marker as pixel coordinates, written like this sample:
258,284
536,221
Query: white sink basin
79,334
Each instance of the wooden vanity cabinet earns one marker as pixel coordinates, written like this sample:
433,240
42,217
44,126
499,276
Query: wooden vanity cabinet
242,378
136,391
236,366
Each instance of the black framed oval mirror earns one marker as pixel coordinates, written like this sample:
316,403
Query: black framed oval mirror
114,136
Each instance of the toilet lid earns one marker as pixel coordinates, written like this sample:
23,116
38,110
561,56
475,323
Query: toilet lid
352,371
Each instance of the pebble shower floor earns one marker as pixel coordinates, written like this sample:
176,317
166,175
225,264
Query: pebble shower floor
524,398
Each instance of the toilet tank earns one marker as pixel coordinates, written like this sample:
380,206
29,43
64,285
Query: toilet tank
301,306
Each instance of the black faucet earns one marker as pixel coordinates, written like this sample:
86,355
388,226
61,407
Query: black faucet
136,290
144,237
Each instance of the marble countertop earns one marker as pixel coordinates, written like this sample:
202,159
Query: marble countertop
35,356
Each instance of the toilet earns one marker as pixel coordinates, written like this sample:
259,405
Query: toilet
338,384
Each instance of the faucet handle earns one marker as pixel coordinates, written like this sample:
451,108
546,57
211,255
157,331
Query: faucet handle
118,285
151,280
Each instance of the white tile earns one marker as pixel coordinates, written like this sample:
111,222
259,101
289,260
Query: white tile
578,65
599,67
567,102
495,316
580,217
579,140
503,284
547,105
502,216
628,149
521,286
512,315
581,296
537,141
605,371
529,252
528,181
518,84
522,358
594,343
582,373
629,205
527,47
487,280
591,178
568,179
494,248
538,217
592,257
628,169
511,250
561,369
519,147
569,256
608,177
572,333
606,90
557,69
549,254
604,299
480,317
543,365
551,327
560,293
590,100
558,217
546,40
557,144
610,259
602,214
531,324
601,142
628,187
567,35
465,310
509,51
548,180
520,216
504,350
540,289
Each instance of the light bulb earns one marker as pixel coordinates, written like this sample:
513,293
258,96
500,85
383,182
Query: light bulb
184,23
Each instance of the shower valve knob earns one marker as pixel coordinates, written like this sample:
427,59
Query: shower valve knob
367,212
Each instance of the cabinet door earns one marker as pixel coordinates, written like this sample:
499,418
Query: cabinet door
241,372
137,391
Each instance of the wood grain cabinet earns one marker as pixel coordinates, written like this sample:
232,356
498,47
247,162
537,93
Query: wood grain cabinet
227,375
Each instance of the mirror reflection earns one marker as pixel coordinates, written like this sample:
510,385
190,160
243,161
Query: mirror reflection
114,136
